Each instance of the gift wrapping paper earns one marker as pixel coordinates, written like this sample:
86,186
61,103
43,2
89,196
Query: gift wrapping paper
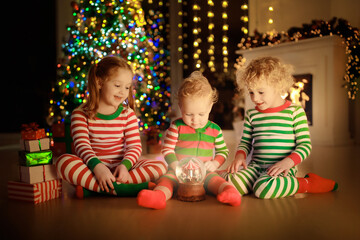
35,158
35,145
35,193
33,134
37,174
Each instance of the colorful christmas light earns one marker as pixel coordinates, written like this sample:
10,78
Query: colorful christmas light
122,28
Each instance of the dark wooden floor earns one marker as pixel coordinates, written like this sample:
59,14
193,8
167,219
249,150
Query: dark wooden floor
333,215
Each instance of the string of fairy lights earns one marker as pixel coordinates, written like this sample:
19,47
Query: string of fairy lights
225,39
196,31
211,37
199,39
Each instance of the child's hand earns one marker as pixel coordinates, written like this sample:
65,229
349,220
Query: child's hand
104,177
279,167
240,160
211,166
121,174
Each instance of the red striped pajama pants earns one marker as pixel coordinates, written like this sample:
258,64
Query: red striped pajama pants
73,169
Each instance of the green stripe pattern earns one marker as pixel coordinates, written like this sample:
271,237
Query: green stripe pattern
254,179
274,136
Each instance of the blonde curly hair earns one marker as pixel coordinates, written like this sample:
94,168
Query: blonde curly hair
196,85
269,69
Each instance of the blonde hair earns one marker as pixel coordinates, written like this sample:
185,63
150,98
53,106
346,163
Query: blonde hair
269,69
196,85
100,73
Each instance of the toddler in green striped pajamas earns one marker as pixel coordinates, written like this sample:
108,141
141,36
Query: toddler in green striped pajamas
277,133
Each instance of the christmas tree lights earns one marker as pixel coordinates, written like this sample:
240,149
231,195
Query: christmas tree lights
124,29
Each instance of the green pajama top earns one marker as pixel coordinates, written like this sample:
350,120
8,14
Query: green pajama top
276,133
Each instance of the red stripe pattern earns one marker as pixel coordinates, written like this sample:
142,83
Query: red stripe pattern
72,169
109,140
35,193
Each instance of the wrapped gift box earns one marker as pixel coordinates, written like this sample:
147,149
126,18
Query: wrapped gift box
35,145
37,174
35,158
35,193
31,131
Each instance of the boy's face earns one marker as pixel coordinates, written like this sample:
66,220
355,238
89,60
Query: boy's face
265,96
195,111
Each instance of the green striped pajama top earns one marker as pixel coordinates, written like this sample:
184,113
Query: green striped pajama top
276,133
205,143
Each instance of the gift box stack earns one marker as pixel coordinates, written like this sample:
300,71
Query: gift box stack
39,181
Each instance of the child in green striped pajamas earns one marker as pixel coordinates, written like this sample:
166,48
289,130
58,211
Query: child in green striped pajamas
278,134
193,135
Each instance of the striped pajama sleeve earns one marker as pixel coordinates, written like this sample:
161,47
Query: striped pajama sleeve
80,135
221,150
302,136
170,140
132,141
245,144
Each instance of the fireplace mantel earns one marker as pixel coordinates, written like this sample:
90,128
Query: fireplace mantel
325,59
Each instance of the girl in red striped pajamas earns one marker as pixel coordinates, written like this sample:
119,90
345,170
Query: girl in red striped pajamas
193,135
106,137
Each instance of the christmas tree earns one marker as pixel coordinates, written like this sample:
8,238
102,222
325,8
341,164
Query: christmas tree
124,29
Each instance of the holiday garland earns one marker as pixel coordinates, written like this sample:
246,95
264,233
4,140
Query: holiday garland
318,28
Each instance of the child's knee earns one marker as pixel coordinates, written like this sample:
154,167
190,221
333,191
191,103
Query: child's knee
243,185
64,159
264,187
61,159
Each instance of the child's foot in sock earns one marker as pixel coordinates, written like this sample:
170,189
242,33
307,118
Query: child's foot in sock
82,193
230,196
131,189
317,184
151,199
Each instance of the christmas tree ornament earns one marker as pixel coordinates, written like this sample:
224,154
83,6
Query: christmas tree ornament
191,173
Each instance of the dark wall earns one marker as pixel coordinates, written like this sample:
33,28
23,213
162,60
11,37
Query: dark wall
30,56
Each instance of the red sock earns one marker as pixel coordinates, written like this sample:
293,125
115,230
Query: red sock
151,199
230,196
79,192
313,183
226,193
156,198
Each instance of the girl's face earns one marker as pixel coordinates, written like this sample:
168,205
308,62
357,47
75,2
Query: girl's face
265,96
195,111
115,90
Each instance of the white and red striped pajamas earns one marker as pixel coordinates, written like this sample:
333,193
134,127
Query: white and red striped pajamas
109,139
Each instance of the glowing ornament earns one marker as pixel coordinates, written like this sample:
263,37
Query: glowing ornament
191,173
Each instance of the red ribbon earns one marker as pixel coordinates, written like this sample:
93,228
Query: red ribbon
30,127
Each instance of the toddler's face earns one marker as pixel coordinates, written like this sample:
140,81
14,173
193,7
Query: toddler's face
265,96
195,111
115,90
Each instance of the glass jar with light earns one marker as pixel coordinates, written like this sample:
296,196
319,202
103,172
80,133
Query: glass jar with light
191,173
